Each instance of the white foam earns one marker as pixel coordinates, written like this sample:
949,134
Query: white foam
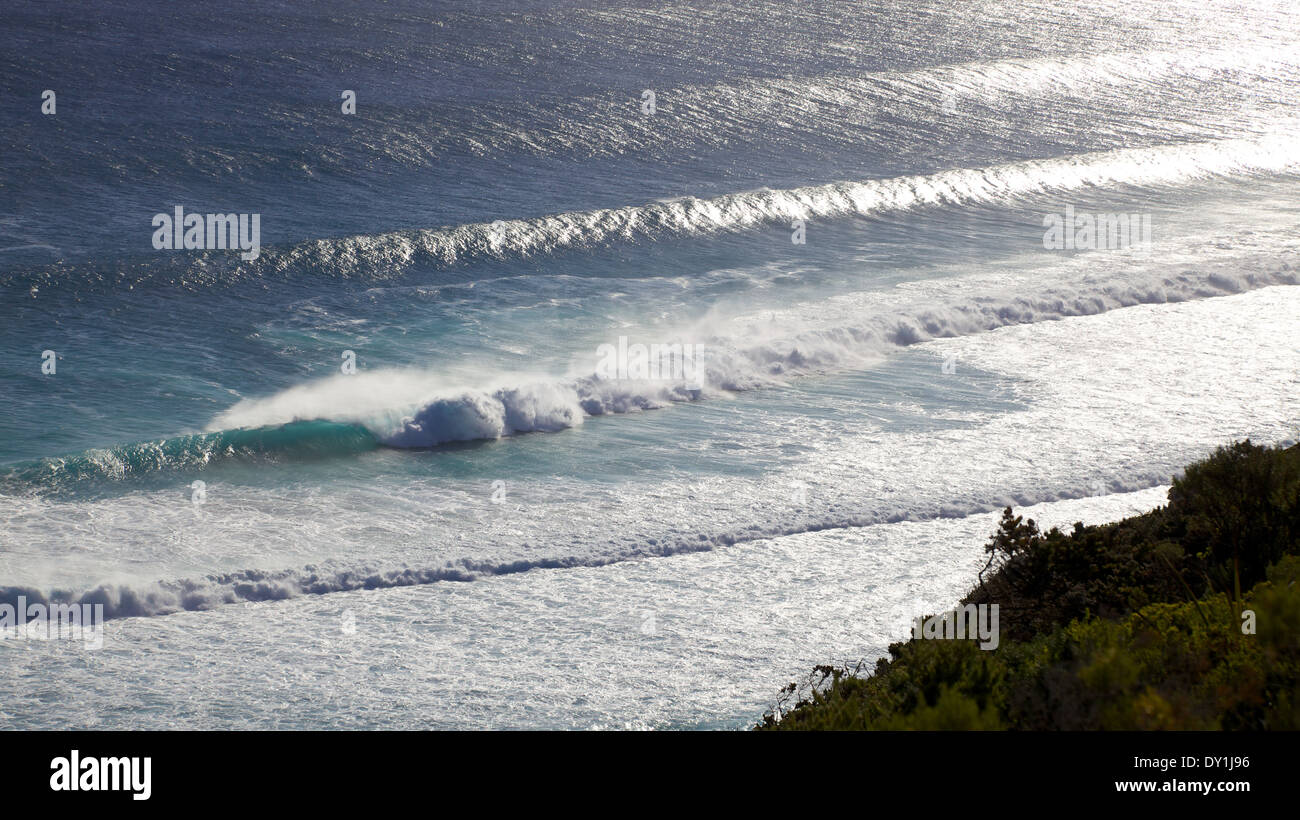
1203,373
423,408
702,640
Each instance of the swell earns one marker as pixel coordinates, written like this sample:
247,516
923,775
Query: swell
832,110
388,256
297,440
877,111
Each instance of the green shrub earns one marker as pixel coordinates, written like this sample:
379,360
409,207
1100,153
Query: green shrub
1136,625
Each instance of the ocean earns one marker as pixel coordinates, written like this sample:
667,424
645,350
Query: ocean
602,365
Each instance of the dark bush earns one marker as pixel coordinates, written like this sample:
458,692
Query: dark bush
1139,624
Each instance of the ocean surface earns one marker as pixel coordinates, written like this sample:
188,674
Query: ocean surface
378,476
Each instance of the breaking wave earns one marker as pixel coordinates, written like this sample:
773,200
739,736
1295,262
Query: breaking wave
387,255
349,414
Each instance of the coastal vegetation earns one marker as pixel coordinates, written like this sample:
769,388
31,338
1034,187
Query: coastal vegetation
1184,618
